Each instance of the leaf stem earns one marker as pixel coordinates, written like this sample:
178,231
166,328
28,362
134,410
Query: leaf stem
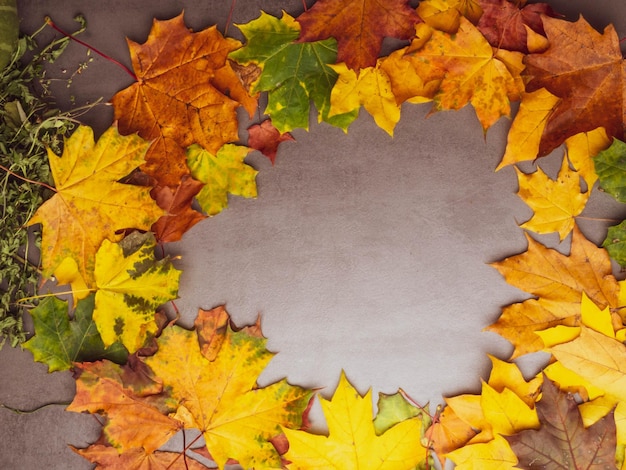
53,294
27,179
82,43
230,16
599,219
33,410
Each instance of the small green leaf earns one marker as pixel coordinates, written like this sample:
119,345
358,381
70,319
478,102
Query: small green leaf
59,342
615,243
611,169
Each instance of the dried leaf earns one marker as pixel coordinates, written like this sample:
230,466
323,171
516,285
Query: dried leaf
266,138
221,397
359,27
180,216
555,203
563,441
179,98
585,70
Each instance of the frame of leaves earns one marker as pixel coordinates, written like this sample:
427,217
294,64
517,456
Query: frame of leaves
150,378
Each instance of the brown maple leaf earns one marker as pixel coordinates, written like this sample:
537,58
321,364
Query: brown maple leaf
585,70
563,441
266,138
186,93
359,27
504,23
180,216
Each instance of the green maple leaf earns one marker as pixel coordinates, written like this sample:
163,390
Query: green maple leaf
610,166
293,73
59,341
131,285
222,173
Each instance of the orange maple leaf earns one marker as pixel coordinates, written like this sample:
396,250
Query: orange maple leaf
585,70
182,96
359,27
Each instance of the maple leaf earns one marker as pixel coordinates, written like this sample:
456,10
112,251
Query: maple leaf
221,397
585,70
108,457
615,243
133,401
550,275
526,132
493,455
359,27
563,441
597,358
180,97
582,150
449,432
519,322
555,203
90,206
180,216
445,15
504,23
472,72
222,173
59,341
270,44
131,284
266,138
352,440
371,88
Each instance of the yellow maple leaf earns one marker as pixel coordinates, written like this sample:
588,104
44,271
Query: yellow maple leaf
352,442
507,375
130,285
597,358
569,381
370,88
505,412
555,203
493,455
90,205
221,398
525,134
473,73
581,148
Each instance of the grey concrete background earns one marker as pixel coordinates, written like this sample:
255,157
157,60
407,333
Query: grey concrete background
362,252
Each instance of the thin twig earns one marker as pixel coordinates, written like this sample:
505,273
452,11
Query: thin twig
82,43
33,410
27,179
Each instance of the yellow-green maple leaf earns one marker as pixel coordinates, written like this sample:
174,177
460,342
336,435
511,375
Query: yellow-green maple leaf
222,173
371,88
221,398
131,284
555,203
352,442
473,73
90,204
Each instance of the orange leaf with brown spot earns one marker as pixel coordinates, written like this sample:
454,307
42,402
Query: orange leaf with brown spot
359,27
181,96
